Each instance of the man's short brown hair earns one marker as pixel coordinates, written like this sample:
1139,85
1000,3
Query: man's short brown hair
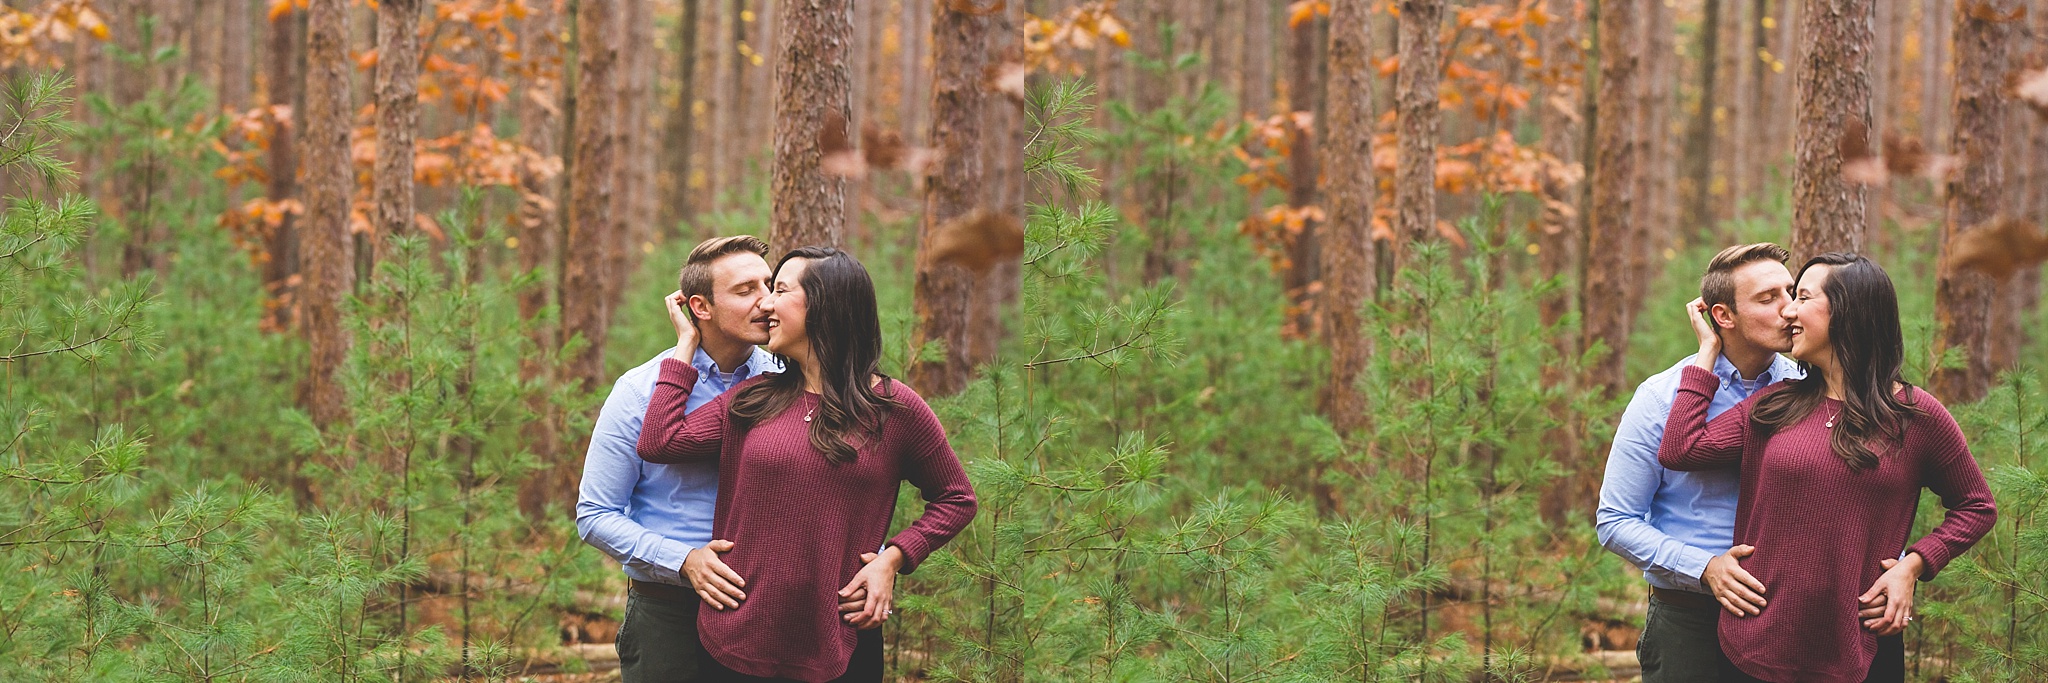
1718,285
695,278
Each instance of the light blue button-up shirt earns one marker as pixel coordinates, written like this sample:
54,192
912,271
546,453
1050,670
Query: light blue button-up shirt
1670,523
648,516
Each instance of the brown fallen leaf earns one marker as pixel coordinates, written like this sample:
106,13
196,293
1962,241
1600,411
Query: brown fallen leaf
978,241
2032,88
1998,247
880,149
1008,78
967,7
1859,163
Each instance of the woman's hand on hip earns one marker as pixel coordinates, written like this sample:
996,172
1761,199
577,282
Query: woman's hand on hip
1738,592
1895,588
878,580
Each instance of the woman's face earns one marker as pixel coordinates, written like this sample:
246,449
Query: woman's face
1808,314
786,308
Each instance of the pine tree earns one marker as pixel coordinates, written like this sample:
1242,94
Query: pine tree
329,248
1834,87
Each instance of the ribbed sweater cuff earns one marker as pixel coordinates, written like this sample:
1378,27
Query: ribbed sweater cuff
915,549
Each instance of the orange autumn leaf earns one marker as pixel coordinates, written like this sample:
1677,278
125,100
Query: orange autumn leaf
1301,11
979,240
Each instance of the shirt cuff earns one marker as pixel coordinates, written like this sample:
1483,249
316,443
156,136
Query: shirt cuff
668,557
1692,563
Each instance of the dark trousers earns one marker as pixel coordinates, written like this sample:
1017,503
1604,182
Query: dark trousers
658,641
1888,666
865,667
1680,645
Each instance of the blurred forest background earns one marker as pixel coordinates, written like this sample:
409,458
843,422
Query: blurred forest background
1305,371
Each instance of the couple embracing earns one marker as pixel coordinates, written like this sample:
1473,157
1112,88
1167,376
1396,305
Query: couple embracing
746,478
1769,500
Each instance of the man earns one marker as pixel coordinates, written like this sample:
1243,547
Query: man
656,519
1675,526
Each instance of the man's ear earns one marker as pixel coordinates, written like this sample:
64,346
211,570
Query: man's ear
1724,317
699,307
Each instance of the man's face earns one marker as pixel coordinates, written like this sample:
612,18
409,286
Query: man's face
1762,290
738,283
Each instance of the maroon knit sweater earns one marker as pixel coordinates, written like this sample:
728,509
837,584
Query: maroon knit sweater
799,523
1820,528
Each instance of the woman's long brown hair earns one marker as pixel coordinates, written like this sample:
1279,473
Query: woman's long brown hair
845,334
1863,331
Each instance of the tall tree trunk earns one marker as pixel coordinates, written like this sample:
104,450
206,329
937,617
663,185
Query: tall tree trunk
234,55
1002,159
1963,298
284,85
678,206
634,151
942,291
398,112
1617,146
1834,87
1936,17
1656,194
538,113
1699,137
1749,176
594,214
1557,239
1255,79
1347,250
330,182
1303,261
1418,115
813,80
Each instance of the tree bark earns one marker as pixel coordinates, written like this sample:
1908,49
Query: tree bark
1617,146
1557,238
1347,253
538,113
633,151
234,55
330,182
1255,79
1963,298
1302,258
594,214
398,112
942,291
677,205
1936,16
1699,138
284,85
1416,101
1657,178
813,79
1834,87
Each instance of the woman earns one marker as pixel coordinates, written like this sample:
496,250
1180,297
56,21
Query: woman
809,465
1831,471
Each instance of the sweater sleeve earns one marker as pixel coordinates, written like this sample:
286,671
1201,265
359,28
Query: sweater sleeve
1952,474
1691,443
930,465
667,435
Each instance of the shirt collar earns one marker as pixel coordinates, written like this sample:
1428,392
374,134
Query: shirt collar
706,366
1780,368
